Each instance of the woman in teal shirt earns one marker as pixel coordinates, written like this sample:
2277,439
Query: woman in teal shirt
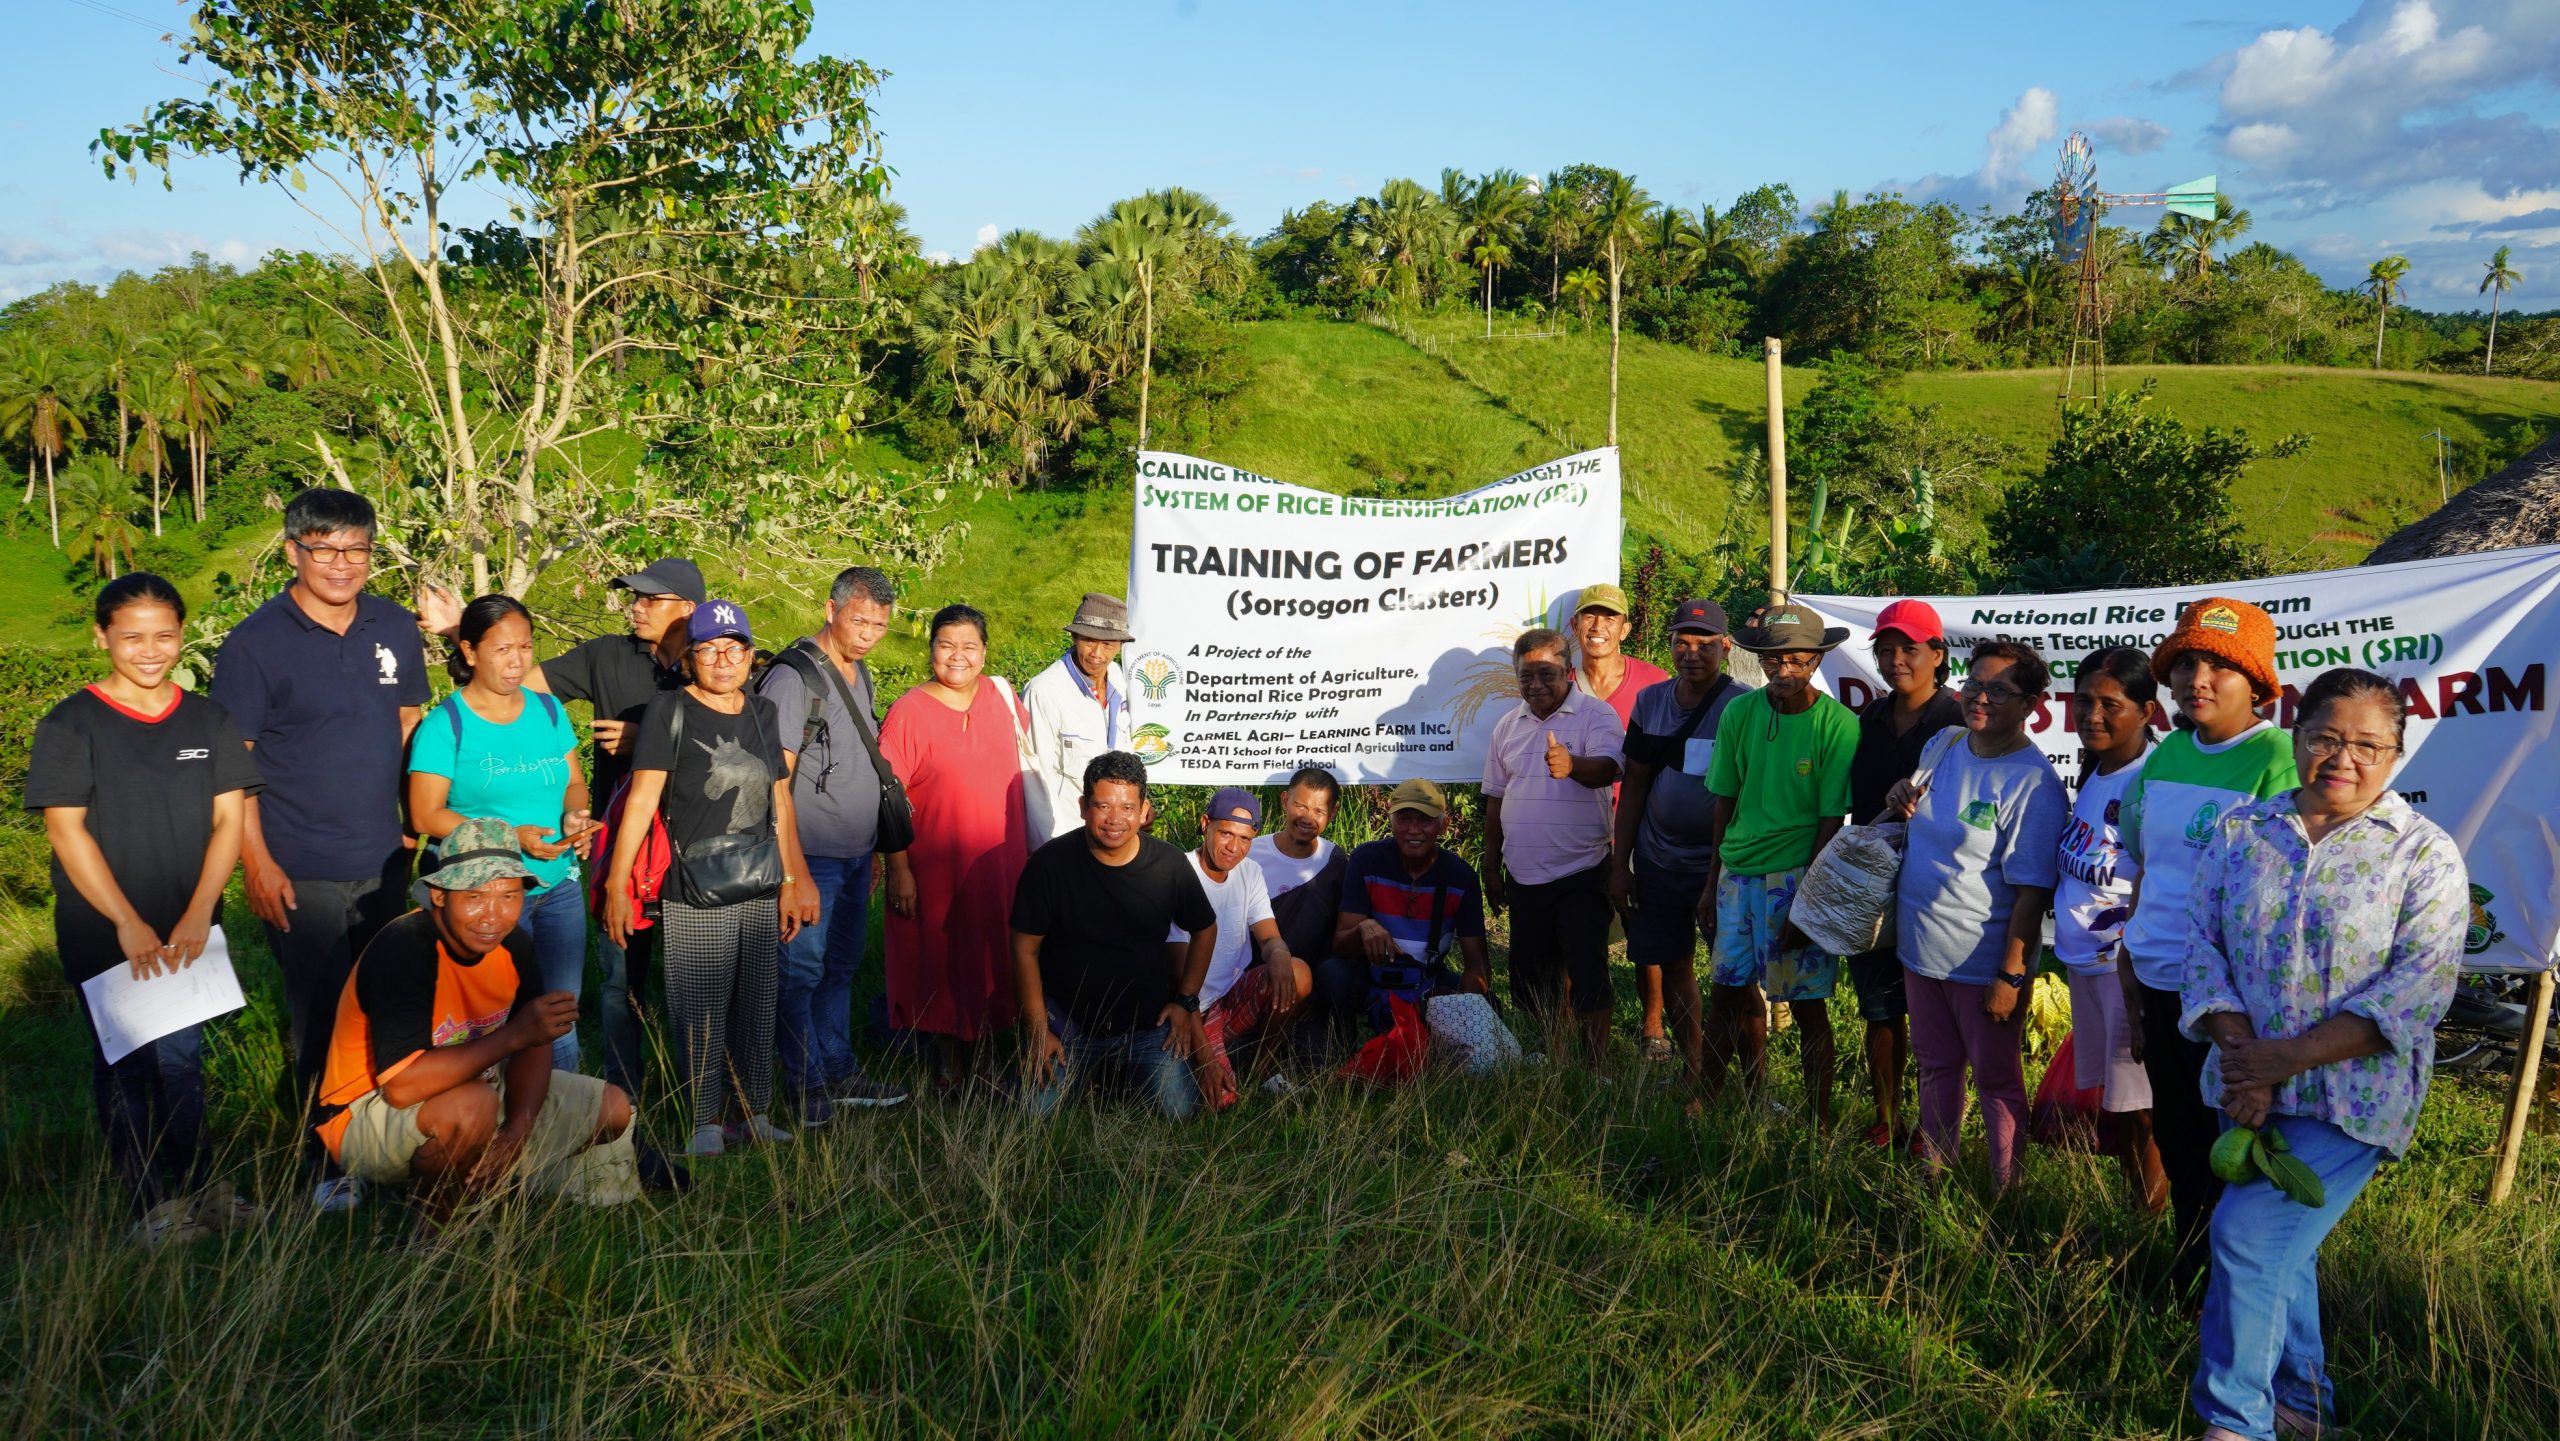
494,748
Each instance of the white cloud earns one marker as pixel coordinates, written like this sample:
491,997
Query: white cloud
938,257
2025,128
2127,134
987,235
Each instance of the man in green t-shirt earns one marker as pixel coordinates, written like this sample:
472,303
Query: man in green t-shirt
1781,782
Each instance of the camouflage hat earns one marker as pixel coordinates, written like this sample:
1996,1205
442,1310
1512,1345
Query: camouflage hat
479,850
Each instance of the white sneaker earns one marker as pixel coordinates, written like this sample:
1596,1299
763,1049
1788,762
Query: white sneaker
337,1195
1278,1085
707,1141
764,1132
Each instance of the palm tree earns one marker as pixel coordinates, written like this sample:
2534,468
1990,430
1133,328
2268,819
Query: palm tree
1620,220
112,363
41,389
2185,243
1140,251
209,373
314,345
1713,245
2500,276
2383,281
98,503
1558,222
1583,287
154,397
1669,232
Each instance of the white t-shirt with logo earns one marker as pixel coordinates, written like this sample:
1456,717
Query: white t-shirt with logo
1240,901
1282,872
2095,896
2185,786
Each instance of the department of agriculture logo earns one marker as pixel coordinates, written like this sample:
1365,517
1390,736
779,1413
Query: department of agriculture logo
2220,619
2484,931
1151,742
2200,829
1982,816
1157,675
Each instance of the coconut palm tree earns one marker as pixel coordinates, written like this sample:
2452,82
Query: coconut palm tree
1713,245
1584,287
113,357
154,398
2495,283
1493,209
314,345
2382,281
1557,223
1620,220
98,503
210,374
2185,243
1140,251
41,389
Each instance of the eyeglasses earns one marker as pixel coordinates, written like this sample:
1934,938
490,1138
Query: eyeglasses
1790,660
333,554
2364,753
718,654
1993,692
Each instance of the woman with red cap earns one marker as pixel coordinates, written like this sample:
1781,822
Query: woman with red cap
2219,666
1910,648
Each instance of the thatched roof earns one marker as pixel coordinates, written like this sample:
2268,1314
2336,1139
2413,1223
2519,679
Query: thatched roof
2520,505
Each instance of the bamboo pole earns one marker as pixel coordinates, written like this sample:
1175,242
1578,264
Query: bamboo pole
1777,472
2520,1098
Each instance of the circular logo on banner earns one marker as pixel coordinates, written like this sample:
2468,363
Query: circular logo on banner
2484,931
1157,675
1151,742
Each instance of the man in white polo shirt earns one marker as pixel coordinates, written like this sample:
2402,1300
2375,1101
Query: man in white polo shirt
1547,823
1079,709
1254,986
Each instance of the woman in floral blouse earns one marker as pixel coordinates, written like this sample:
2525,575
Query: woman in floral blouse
2327,928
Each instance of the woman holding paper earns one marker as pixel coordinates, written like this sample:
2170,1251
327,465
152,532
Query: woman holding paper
140,785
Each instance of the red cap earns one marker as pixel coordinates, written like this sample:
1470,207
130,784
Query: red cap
1914,619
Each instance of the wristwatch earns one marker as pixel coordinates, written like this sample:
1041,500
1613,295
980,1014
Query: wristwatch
2018,981
1189,1003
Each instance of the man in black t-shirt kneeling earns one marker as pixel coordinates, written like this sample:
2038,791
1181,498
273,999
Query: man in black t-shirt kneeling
1090,962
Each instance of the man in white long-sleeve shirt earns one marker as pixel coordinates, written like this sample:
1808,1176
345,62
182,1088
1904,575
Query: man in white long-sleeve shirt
1079,709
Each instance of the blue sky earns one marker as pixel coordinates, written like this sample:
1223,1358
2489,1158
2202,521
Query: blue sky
2429,128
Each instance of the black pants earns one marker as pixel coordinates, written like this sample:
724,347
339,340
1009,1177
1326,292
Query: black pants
2185,1129
1560,932
333,921
151,1109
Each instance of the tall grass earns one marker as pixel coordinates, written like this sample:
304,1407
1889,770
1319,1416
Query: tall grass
1542,1253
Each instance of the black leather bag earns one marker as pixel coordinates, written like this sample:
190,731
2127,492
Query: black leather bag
725,870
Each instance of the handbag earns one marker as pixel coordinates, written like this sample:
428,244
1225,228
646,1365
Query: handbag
725,870
897,825
1845,902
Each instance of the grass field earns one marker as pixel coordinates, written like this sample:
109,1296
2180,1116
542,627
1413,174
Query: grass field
1539,1254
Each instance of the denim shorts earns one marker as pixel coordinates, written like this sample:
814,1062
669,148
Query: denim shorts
1663,923
1751,916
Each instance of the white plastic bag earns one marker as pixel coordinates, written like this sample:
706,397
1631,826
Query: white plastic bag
1465,1033
1844,904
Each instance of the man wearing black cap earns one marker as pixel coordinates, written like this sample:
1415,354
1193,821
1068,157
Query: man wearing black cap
618,675
1666,825
1079,709
1253,986
1780,775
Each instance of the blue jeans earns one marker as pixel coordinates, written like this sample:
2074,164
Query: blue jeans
556,918
814,1019
1152,1070
2262,1308
626,1045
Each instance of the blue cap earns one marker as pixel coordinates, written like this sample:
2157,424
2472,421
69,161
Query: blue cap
714,619
1235,803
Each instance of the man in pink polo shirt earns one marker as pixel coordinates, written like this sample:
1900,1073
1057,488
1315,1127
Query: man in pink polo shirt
1547,823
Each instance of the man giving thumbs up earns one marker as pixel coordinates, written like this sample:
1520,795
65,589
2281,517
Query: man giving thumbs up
1547,824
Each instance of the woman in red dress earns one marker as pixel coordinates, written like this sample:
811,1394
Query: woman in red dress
956,741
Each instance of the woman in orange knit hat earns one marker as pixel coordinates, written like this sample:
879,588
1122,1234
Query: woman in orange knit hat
2218,667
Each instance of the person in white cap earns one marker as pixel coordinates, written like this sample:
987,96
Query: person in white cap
1079,709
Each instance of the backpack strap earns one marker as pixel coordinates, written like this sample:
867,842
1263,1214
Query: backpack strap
804,660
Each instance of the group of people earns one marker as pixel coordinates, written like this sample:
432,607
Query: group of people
2255,929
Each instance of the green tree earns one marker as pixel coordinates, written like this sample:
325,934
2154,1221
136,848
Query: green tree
155,398
42,388
1494,209
208,373
1619,220
98,506
2185,244
1556,220
677,181
2501,275
2130,497
2383,283
1584,287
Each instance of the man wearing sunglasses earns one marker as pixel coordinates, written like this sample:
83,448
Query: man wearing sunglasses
325,682
830,731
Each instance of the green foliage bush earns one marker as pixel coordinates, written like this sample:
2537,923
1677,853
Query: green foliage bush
32,682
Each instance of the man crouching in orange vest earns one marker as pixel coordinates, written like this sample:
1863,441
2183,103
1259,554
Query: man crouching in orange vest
439,1071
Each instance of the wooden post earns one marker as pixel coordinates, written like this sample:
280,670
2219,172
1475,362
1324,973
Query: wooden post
1777,472
2520,1097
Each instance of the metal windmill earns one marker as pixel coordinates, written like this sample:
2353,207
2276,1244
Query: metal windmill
2078,206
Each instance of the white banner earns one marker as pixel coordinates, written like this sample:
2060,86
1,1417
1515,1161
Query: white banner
1280,626
2471,640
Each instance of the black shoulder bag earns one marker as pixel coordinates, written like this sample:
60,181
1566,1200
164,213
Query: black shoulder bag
897,828
727,869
